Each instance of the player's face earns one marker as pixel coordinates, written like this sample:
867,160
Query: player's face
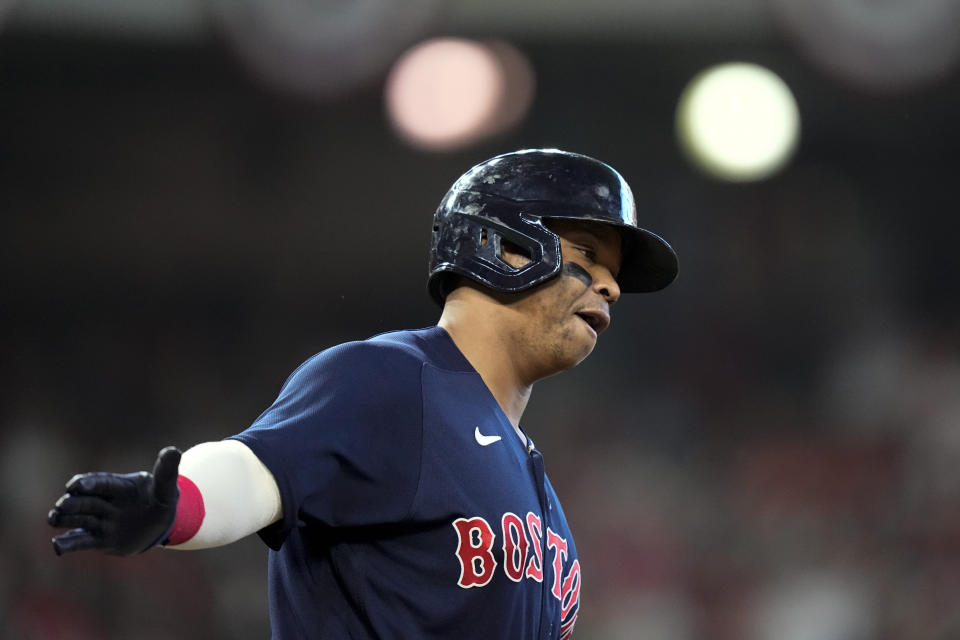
559,321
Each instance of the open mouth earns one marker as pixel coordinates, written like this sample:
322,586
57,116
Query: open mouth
596,320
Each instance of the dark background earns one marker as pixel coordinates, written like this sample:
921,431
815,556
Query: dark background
769,448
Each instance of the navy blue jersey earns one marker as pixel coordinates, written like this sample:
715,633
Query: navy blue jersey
411,508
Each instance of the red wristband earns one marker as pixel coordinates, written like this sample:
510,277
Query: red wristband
190,512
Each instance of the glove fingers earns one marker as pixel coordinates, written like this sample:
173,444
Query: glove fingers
92,505
74,540
165,472
85,521
109,486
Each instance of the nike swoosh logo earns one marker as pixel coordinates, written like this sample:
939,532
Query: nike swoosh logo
483,440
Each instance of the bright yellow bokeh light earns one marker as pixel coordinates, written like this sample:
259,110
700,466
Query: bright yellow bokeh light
738,122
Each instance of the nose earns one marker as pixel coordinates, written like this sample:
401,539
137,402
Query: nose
605,284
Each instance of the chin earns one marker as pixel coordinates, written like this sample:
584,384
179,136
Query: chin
583,356
568,350
573,357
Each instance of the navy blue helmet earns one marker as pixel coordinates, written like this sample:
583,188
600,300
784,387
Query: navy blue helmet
509,197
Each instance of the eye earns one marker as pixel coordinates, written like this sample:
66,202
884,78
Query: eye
590,254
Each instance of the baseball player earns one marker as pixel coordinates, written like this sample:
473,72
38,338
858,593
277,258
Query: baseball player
391,478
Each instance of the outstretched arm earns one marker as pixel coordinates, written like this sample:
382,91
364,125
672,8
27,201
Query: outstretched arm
239,494
217,493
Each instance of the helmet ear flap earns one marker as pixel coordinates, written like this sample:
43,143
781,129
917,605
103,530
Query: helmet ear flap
472,245
495,238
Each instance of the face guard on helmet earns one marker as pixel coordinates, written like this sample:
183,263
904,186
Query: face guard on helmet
507,198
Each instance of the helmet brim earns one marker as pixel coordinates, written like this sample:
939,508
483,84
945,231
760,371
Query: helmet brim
649,262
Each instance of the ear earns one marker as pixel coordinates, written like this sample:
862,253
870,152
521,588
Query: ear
514,255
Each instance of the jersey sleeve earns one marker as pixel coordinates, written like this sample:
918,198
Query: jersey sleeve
343,439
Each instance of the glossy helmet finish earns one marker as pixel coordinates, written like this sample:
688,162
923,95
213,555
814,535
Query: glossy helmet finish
509,197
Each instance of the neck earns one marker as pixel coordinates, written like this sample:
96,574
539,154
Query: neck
475,322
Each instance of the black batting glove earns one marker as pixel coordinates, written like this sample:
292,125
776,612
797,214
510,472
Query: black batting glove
119,514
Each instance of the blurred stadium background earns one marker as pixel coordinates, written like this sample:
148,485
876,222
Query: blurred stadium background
198,195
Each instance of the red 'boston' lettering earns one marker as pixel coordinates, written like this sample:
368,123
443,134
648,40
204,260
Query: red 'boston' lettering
514,546
535,569
559,545
475,541
566,628
571,590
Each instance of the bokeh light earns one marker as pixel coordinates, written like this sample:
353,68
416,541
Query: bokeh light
317,48
881,46
446,93
738,121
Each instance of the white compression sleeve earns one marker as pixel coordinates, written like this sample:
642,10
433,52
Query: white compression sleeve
240,495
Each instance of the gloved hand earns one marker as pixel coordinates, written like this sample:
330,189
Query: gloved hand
120,514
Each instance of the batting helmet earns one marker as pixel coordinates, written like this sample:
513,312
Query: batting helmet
508,198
